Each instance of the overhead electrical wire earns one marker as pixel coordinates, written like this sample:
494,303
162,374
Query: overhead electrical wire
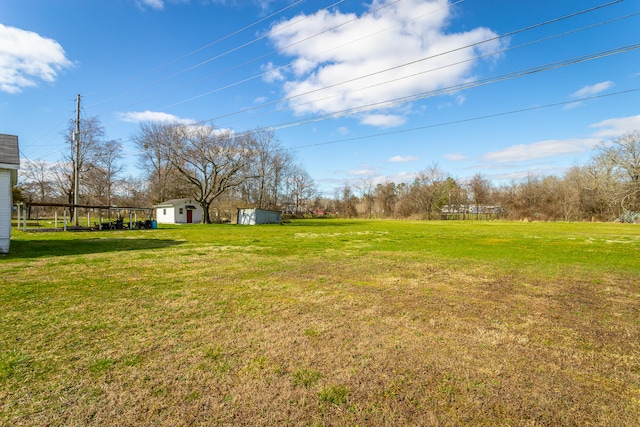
455,88
446,90
465,120
206,46
286,99
235,67
281,67
262,37
412,97
219,40
380,71
509,34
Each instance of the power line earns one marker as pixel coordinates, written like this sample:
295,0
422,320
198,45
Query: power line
255,40
509,34
235,67
457,88
412,97
219,89
450,89
281,100
206,46
466,120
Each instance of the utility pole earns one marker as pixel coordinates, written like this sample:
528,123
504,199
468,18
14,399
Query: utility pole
76,172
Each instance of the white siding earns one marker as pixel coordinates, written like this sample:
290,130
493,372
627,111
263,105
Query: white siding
170,213
165,215
5,210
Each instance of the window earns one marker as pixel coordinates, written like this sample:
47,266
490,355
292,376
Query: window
164,211
181,211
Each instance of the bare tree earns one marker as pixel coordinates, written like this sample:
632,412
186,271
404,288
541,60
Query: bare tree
480,190
622,156
38,174
62,173
134,191
301,189
164,180
102,178
348,202
81,159
429,191
386,198
210,160
36,182
367,190
600,189
269,168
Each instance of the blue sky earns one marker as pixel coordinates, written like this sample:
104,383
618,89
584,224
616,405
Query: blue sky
361,90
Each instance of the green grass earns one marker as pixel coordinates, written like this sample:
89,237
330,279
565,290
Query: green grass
327,322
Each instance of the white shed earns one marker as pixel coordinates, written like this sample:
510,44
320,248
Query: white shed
9,165
253,216
179,211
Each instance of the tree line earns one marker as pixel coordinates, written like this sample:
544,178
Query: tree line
606,188
221,170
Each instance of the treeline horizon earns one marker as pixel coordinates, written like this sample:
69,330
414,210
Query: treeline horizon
606,188
222,171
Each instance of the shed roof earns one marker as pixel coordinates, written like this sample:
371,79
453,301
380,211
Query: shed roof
173,202
9,153
258,209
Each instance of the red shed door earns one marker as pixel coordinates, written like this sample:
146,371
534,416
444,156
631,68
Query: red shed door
189,216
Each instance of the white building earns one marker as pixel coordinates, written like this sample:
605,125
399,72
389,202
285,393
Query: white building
253,216
179,211
9,165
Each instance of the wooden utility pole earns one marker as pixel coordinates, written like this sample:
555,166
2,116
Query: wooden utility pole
76,172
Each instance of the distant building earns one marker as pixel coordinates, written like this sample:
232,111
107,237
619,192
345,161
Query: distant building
9,165
179,211
253,216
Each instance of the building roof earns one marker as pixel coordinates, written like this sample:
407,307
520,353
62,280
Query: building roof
258,209
173,202
9,153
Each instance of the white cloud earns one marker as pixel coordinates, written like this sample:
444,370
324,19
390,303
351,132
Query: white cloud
455,157
403,159
330,48
403,176
612,128
154,4
271,73
362,172
27,58
383,120
152,116
540,150
593,89
609,128
572,105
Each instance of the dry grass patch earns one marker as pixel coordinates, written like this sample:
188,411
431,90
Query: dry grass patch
216,333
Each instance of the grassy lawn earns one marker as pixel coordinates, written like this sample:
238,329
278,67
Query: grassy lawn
328,322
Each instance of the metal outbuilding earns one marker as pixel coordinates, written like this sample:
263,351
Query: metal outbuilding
253,216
